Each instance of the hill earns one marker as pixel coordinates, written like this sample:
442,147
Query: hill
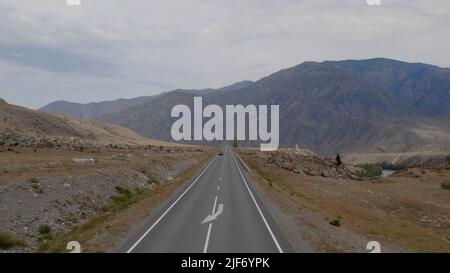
20,126
95,109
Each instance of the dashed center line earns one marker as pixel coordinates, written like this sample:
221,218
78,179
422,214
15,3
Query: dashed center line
205,248
214,207
171,206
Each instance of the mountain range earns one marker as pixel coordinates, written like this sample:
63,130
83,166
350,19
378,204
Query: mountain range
351,106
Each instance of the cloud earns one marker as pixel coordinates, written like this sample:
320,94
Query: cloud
55,60
109,48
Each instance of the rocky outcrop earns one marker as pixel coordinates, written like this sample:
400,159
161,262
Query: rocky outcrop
304,163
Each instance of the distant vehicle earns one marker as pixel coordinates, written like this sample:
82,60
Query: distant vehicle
220,153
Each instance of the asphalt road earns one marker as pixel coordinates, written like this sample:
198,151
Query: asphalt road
218,211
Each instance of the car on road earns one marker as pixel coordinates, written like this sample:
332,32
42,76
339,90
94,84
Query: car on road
220,153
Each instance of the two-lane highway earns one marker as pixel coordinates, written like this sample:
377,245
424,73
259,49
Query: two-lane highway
217,212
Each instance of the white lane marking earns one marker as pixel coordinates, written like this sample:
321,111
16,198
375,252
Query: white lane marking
259,210
214,207
174,203
214,215
205,248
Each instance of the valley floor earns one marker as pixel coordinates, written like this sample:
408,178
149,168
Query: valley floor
99,196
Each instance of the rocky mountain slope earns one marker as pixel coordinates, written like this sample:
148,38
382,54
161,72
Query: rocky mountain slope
24,127
376,105
323,108
94,109
423,87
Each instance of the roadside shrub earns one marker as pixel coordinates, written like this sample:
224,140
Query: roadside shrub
153,181
127,197
7,241
45,229
335,222
445,185
270,160
123,191
72,218
369,170
37,188
34,180
35,185
45,233
266,175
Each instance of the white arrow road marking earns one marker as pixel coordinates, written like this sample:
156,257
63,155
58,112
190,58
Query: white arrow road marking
210,218
214,214
173,204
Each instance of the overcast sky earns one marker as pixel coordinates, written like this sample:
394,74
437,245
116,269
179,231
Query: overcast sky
109,49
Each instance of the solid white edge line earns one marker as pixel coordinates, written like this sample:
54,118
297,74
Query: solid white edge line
259,210
174,203
205,249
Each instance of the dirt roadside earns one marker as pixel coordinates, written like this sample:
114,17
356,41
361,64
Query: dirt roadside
49,197
407,212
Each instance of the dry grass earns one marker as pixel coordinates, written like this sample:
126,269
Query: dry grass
27,165
7,241
408,210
